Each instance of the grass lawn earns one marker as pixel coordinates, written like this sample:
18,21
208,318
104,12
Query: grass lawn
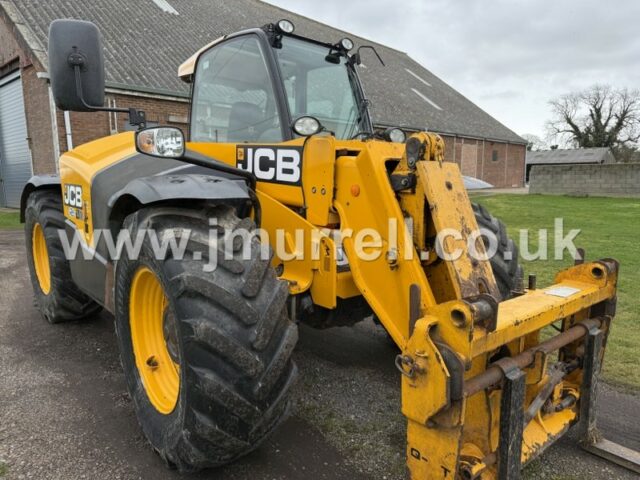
10,219
610,227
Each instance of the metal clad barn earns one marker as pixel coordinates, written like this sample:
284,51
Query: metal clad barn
15,157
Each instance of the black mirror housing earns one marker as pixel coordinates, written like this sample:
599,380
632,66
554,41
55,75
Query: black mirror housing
76,43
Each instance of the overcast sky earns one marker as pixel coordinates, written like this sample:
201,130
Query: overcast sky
508,56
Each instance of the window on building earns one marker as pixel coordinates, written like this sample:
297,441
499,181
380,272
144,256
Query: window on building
494,156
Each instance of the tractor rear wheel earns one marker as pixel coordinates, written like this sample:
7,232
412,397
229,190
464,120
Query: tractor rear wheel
57,296
505,265
206,354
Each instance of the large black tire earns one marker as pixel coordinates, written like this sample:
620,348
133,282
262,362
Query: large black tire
64,301
506,268
234,341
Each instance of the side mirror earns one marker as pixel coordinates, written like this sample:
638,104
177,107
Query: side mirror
165,142
76,65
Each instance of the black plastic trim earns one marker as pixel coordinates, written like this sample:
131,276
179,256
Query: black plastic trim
35,183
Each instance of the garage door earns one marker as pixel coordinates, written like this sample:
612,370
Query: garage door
15,156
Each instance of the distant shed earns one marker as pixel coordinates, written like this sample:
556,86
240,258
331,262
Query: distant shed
578,156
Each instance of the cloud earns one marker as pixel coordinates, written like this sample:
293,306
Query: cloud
508,56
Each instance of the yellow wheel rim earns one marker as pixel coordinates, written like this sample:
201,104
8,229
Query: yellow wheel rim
41,258
149,316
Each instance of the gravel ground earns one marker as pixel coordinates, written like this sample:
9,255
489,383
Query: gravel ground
65,414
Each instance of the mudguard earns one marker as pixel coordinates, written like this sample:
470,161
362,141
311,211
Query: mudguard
145,191
191,186
35,183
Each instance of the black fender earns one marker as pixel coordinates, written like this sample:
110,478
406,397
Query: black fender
96,275
174,187
157,188
37,182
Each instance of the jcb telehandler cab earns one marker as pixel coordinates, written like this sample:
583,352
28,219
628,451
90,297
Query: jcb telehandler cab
280,138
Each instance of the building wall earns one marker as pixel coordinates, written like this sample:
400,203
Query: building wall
500,164
612,179
84,126
87,126
476,157
38,112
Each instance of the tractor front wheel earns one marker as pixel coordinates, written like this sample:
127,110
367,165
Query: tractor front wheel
206,354
57,296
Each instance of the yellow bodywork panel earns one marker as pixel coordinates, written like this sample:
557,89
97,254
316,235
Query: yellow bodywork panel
80,165
230,153
383,283
309,262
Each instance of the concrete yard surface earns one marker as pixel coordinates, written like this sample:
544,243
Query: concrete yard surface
65,412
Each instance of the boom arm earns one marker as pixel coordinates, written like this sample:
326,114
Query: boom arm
480,392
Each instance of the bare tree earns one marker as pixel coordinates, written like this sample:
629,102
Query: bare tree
600,116
534,142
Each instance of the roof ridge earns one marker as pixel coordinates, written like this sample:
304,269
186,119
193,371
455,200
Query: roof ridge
24,31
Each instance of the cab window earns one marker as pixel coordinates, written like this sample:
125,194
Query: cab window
233,97
317,87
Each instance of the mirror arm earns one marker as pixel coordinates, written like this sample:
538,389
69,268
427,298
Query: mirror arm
203,161
136,117
357,58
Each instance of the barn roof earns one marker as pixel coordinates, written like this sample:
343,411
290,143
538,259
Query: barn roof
579,155
146,40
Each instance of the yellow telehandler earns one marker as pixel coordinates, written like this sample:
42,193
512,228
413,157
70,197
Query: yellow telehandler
286,205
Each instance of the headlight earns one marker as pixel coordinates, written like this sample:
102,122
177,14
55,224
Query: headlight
394,135
167,142
306,126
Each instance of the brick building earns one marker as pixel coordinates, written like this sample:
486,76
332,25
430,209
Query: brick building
146,40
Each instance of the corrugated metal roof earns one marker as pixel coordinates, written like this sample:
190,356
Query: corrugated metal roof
145,43
580,155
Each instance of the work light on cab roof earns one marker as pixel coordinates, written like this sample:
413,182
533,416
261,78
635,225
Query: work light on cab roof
285,26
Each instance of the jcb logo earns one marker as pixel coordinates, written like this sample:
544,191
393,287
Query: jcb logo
73,196
269,164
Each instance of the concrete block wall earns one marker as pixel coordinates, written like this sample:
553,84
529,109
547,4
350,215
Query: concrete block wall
613,179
